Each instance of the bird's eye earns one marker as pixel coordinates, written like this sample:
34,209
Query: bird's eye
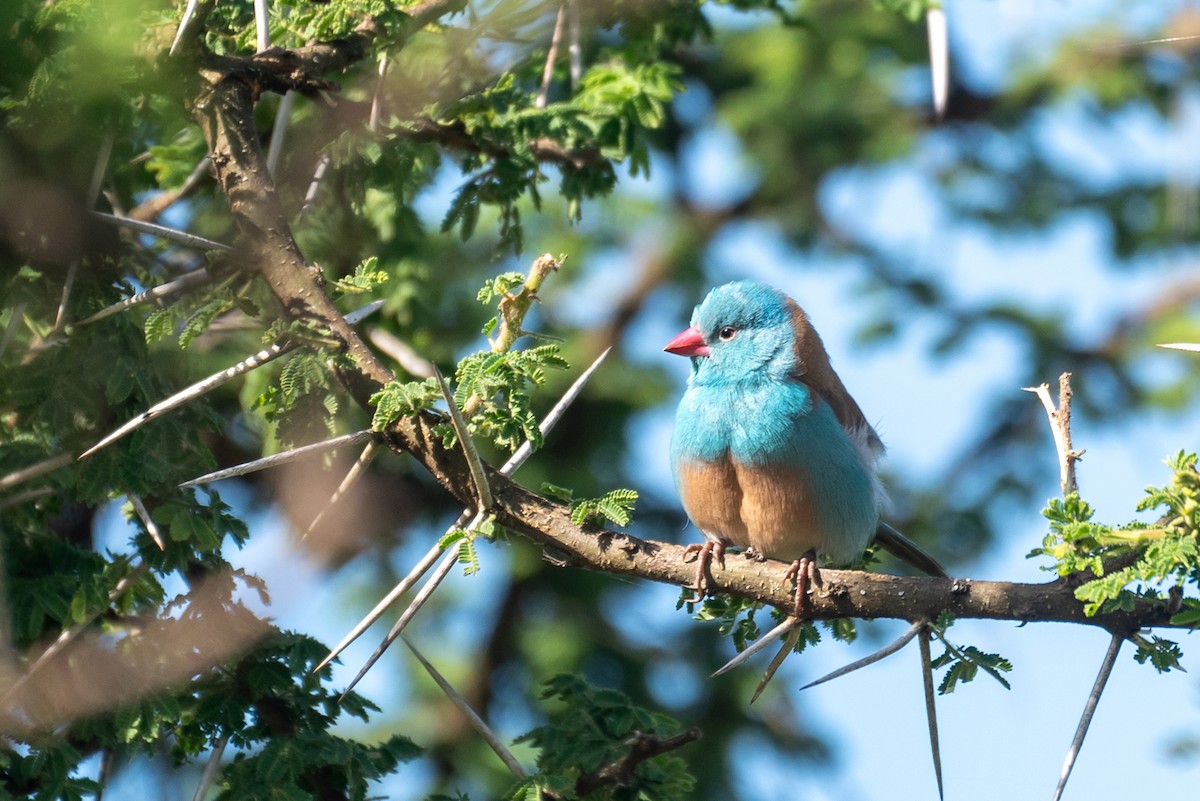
726,333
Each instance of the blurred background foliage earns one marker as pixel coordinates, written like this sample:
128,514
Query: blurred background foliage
685,129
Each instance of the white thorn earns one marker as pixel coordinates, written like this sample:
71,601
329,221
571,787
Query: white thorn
473,717
151,527
426,592
194,391
1089,710
483,490
870,659
355,473
210,768
930,707
183,23
154,229
756,646
939,59
276,459
171,287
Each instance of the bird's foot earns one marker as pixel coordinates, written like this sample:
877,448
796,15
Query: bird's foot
805,574
703,554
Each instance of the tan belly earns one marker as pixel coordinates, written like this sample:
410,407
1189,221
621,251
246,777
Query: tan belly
765,508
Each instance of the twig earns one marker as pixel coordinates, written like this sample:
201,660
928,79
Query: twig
930,704
205,385
1089,710
543,94
310,197
106,767
24,497
1060,426
641,748
194,391
376,105
789,643
514,307
150,208
405,584
477,722
283,116
188,21
1141,42
554,415
455,135
101,169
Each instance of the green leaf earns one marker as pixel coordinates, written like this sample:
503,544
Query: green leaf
366,277
615,506
403,399
159,324
1189,614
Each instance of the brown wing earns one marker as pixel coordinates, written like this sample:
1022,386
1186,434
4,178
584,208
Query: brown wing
814,369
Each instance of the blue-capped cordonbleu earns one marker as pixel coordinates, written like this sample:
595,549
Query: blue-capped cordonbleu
769,450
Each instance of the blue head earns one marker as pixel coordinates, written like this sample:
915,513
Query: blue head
742,331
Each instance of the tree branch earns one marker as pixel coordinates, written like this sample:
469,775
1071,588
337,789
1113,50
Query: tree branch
223,104
1060,426
455,135
224,100
641,748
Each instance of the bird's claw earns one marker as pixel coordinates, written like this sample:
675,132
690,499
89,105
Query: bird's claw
703,554
805,574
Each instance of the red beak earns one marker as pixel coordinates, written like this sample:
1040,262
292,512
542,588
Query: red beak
688,343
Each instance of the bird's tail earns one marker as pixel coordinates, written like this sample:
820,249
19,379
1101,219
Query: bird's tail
905,549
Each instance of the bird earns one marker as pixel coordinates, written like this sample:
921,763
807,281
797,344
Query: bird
769,450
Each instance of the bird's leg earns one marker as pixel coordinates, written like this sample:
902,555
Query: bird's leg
704,553
803,572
